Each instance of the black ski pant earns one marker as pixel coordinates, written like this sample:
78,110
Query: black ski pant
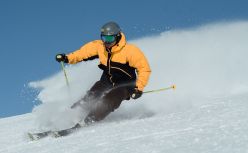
105,98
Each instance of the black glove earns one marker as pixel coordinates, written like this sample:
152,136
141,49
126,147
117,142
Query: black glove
136,93
61,58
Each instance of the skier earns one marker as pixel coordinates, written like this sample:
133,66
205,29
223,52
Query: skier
119,61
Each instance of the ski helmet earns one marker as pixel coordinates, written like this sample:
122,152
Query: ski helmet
110,33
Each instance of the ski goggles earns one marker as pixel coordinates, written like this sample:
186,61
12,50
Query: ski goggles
108,38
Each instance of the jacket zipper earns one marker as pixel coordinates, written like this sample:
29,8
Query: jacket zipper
109,66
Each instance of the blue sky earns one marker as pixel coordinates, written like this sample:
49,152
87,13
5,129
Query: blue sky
33,32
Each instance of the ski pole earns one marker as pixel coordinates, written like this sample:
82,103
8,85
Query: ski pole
162,89
66,78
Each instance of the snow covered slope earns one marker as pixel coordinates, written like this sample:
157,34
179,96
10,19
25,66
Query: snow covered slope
217,127
207,112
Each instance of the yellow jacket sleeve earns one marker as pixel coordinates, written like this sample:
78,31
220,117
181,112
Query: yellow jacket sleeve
138,60
85,52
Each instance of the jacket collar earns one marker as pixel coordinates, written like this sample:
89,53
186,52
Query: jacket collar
120,45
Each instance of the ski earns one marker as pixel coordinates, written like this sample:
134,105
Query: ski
66,132
37,136
56,134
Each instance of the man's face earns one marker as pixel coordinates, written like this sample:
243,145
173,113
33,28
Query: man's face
109,40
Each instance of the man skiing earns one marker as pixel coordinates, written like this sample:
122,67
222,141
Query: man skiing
120,62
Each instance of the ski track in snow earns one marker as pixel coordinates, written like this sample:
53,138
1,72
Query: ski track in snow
206,113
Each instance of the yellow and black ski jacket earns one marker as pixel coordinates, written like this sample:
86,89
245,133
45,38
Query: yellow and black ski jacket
119,63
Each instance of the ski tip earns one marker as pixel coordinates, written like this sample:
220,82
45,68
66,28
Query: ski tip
31,137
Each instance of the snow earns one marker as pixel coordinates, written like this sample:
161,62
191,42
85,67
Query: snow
206,113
